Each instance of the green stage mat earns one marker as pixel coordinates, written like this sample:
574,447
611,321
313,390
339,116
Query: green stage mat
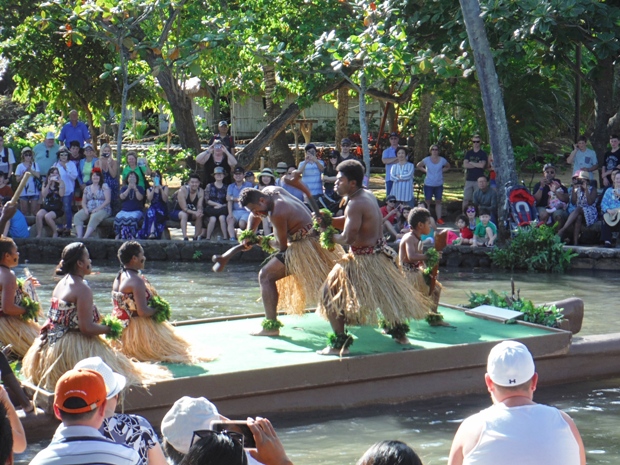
301,337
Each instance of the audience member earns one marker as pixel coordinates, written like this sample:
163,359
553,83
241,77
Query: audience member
329,175
311,170
466,235
217,154
485,197
266,179
189,206
130,430
290,189
17,226
216,206
345,150
225,139
550,184
434,166
472,217
45,153
391,212
109,167
80,403
281,169
127,220
611,161
582,204
15,391
475,162
29,198
86,165
429,237
139,168
12,434
515,430
388,158
485,233
6,191
237,215
68,174
52,202
492,173
157,213
403,225
7,158
75,156
401,174
582,158
74,130
95,205
389,453
610,206
251,178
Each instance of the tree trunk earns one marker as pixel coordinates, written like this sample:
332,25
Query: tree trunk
342,118
363,122
427,99
603,86
501,147
278,149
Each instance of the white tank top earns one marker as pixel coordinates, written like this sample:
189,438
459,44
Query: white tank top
525,435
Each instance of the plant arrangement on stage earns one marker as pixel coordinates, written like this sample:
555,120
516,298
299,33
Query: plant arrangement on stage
534,249
162,308
546,315
435,319
327,237
340,341
397,331
115,325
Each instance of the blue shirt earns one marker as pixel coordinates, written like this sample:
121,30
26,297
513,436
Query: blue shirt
234,191
69,133
18,227
388,153
312,177
45,157
290,189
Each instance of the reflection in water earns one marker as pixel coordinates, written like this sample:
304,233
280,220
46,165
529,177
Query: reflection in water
341,437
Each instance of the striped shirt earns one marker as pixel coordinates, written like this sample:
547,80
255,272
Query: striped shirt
312,177
402,177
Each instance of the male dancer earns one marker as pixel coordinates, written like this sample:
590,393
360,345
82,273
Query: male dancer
293,277
367,278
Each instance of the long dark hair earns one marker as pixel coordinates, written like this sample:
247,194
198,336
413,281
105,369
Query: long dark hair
71,254
390,453
216,449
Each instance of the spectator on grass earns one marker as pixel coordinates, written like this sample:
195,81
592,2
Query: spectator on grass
127,220
95,206
216,208
499,433
29,198
485,197
217,154
401,174
389,453
612,161
52,196
582,158
330,173
7,158
157,213
74,130
137,166
189,207
391,211
6,191
68,174
311,170
550,184
475,162
237,215
389,158
434,166
45,153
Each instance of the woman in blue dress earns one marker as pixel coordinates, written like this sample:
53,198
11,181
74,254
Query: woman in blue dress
157,213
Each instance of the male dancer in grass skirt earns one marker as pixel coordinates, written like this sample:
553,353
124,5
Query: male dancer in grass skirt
292,278
366,279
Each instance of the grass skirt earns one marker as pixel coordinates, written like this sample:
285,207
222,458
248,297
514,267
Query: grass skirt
416,279
45,363
307,266
360,285
148,341
19,333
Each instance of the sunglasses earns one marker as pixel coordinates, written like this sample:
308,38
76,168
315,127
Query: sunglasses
391,201
476,141
205,433
346,145
471,210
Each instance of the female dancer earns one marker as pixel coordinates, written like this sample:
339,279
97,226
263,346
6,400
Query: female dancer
72,331
16,325
146,336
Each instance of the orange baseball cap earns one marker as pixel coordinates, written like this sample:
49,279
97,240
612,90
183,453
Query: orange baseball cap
79,391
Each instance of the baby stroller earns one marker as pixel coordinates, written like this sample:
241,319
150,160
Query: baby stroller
520,208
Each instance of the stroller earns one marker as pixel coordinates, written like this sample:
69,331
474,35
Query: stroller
520,208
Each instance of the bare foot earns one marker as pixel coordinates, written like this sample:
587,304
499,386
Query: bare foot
402,340
331,351
266,332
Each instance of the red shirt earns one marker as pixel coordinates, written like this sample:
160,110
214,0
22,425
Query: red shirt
466,233
384,212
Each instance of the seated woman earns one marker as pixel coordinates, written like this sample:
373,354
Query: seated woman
95,205
136,166
582,206
127,221
109,169
16,322
72,330
147,336
215,199
52,206
157,213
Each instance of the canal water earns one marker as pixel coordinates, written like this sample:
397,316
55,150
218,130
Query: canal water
341,437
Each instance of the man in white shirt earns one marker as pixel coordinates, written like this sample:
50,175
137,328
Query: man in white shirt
582,158
80,403
389,158
515,430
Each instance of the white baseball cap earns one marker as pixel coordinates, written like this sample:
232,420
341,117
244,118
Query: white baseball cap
510,364
114,382
50,135
188,414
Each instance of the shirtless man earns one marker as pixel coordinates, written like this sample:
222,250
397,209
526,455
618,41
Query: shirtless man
345,298
299,252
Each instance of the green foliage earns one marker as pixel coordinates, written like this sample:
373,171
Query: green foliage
534,249
271,325
397,331
546,315
197,255
169,163
115,325
138,131
203,129
162,309
340,341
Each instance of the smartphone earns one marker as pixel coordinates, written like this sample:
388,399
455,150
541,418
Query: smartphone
156,180
141,161
236,426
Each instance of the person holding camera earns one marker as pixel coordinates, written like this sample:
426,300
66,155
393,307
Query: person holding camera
157,213
391,212
217,155
549,183
127,220
52,208
582,205
109,168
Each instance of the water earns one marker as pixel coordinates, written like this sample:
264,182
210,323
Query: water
341,437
